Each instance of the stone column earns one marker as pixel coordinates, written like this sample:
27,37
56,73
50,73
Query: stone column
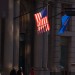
46,71
45,50
8,41
38,54
57,56
16,35
72,45
38,47
41,52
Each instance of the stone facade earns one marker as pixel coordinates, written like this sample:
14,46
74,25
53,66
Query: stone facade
47,46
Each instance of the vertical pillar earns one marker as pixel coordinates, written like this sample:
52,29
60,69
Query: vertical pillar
45,55
57,56
72,47
38,53
8,42
41,53
38,48
16,35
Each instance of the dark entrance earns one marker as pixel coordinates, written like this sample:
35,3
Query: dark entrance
26,47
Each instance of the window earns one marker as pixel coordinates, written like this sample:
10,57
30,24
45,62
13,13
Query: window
65,5
65,42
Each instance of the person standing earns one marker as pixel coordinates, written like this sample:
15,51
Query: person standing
20,72
13,72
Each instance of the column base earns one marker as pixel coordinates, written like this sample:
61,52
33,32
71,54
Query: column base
41,71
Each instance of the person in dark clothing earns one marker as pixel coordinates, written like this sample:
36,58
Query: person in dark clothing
13,72
20,72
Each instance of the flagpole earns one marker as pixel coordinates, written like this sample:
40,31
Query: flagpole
45,51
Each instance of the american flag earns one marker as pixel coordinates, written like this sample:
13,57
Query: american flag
42,21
